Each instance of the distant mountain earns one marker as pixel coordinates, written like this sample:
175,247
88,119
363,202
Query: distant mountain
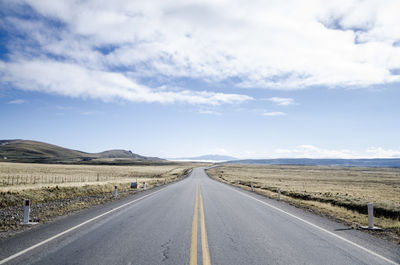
119,154
39,152
216,158
377,162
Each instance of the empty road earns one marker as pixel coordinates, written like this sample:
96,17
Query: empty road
195,221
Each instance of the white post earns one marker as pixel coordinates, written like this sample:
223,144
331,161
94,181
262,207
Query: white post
116,192
144,185
370,215
252,187
27,209
279,193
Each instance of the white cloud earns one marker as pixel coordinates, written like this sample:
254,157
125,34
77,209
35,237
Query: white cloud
310,151
281,101
17,101
259,44
274,113
379,152
75,81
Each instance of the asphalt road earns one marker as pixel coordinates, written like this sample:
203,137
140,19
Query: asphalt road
196,221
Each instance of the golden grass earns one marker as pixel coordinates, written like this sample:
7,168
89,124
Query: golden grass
335,191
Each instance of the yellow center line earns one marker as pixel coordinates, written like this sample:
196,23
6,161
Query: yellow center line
193,246
204,242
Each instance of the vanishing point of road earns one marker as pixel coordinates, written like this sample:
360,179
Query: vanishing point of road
195,221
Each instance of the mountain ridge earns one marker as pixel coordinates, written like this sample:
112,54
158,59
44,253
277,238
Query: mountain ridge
210,157
18,150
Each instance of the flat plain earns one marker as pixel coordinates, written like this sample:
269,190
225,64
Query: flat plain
339,192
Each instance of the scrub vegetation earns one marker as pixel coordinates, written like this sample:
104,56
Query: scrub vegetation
339,192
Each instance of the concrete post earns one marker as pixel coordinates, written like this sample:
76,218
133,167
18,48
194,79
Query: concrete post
251,185
279,193
27,210
370,215
116,192
144,185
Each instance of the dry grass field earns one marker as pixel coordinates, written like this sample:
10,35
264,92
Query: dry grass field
335,191
55,190
17,176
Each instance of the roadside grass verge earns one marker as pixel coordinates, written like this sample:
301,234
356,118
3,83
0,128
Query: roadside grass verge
336,192
50,200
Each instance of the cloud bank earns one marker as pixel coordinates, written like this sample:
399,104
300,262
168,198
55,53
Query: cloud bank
311,151
105,49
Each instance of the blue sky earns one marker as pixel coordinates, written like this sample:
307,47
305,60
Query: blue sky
183,79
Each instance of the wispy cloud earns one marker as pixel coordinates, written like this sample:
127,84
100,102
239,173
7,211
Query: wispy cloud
274,113
17,101
281,101
210,112
88,113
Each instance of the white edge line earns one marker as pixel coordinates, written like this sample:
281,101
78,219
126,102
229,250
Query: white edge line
73,228
318,227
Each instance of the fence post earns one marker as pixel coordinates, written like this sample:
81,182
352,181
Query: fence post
279,193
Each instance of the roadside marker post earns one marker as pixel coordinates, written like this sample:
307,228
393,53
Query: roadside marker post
370,215
371,218
144,185
279,193
27,210
116,192
251,185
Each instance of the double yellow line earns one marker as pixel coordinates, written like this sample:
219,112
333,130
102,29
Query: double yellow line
204,243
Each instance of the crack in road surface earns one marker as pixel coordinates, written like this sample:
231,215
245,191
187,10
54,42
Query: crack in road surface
165,252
